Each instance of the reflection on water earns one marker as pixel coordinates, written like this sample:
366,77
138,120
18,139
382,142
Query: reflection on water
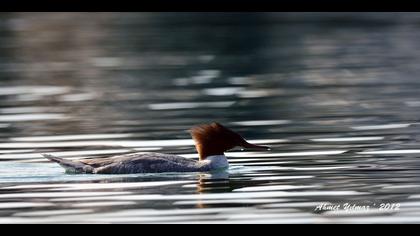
333,94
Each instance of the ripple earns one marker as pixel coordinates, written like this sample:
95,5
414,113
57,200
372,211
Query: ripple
16,151
41,90
18,110
69,137
401,151
293,205
14,172
229,201
205,76
107,61
268,141
4,125
169,212
240,160
78,97
11,205
103,204
379,127
268,163
283,177
32,117
291,154
256,93
408,186
322,168
262,122
98,186
54,212
377,220
225,91
348,139
58,194
272,188
412,103
71,153
190,105
239,80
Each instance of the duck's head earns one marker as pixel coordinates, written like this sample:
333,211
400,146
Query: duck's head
214,139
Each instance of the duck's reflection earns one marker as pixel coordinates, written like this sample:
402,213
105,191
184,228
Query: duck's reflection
210,183
213,182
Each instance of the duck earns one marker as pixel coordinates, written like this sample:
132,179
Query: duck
211,142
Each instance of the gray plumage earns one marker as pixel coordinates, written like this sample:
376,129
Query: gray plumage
142,162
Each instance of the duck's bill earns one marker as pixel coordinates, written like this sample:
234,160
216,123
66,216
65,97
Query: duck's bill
254,146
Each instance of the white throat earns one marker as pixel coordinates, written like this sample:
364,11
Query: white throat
217,162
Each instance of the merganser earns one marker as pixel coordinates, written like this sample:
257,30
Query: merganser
211,141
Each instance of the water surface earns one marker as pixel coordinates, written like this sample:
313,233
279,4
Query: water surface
335,96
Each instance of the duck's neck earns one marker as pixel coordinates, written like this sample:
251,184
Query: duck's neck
216,161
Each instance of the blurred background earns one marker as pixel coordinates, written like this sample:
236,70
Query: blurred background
122,72
336,96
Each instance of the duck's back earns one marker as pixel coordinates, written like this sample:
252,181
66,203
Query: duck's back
142,162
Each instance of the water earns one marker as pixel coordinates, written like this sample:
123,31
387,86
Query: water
335,96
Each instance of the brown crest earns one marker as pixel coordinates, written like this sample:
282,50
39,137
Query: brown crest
215,139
